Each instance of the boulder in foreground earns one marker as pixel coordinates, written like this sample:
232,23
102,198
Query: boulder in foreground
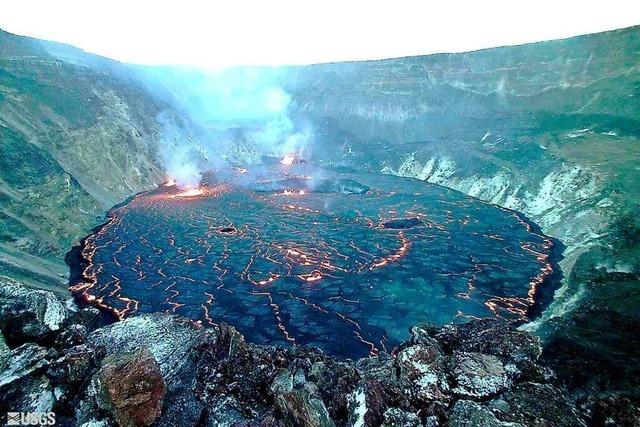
131,388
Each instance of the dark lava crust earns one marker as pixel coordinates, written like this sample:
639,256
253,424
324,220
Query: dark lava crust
349,272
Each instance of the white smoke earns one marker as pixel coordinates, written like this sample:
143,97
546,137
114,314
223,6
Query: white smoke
179,152
238,116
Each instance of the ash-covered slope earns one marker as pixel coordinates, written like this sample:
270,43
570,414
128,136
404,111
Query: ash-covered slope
77,135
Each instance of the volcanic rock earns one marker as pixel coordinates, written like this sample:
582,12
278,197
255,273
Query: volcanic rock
22,385
425,333
131,388
422,372
181,406
335,381
300,408
381,387
5,353
32,393
89,317
478,375
283,383
395,417
71,336
28,314
76,364
467,413
23,361
226,410
369,402
358,407
170,339
615,411
496,337
381,369
226,366
538,404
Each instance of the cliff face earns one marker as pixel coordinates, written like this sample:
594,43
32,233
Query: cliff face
77,136
527,127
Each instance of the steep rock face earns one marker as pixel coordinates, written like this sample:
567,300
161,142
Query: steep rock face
77,137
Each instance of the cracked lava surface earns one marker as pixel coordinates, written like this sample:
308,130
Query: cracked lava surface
287,258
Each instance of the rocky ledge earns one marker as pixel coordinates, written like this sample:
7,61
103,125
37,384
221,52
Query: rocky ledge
166,370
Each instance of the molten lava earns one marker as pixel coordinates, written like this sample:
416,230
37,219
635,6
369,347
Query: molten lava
314,276
288,159
240,170
190,192
288,192
347,272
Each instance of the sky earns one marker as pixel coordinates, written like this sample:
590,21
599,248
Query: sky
214,34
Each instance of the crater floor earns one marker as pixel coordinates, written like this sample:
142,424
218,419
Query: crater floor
298,254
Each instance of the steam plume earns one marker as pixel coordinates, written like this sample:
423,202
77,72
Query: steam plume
236,116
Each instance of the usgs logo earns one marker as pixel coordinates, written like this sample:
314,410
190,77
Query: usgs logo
31,418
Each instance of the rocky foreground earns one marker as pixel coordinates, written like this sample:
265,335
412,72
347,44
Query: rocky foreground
166,370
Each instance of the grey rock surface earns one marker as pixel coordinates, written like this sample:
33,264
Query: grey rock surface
394,417
28,314
23,361
169,338
422,371
478,375
467,413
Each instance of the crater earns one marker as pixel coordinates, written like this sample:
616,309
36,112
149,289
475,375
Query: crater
346,271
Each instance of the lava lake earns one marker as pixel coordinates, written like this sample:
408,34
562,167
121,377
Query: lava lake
297,254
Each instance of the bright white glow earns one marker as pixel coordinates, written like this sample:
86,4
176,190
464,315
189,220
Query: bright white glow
239,32
190,192
287,160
